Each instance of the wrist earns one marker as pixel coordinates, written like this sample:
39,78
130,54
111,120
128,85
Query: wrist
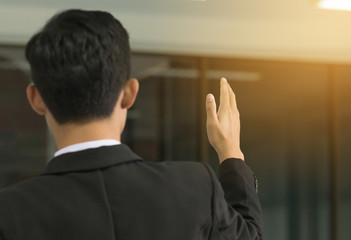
230,154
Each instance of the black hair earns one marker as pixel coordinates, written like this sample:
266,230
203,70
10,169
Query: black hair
79,62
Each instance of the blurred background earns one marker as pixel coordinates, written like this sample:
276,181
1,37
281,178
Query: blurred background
289,63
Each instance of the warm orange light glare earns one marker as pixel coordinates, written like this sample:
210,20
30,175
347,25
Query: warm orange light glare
335,4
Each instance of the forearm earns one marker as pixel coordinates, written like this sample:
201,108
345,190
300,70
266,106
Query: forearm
240,191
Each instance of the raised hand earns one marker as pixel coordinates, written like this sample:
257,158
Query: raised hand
223,127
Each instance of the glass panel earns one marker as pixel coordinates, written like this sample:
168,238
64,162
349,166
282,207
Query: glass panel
22,133
162,124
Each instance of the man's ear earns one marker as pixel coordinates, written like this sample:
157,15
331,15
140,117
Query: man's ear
130,92
35,100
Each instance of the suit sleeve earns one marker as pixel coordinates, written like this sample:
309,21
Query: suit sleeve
236,210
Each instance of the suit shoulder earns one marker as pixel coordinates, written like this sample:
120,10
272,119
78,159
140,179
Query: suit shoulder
178,166
21,189
182,170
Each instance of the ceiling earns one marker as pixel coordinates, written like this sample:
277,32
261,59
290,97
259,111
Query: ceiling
283,29
252,9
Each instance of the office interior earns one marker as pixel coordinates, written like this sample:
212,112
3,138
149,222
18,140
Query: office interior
289,63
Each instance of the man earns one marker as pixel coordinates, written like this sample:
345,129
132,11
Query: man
97,188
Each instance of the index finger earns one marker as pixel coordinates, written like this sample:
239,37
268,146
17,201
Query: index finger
224,93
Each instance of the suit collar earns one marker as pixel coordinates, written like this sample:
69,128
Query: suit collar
91,159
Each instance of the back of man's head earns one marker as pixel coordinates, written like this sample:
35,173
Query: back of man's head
79,62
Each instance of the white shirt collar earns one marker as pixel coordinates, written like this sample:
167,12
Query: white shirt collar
86,145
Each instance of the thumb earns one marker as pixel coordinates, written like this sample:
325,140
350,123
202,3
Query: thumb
211,108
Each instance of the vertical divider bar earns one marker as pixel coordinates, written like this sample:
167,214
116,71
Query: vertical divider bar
203,146
334,131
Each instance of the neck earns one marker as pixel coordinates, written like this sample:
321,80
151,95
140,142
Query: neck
71,133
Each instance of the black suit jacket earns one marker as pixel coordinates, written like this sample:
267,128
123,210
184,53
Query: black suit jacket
111,193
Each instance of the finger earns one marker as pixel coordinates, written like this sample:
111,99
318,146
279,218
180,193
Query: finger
232,97
211,108
224,95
